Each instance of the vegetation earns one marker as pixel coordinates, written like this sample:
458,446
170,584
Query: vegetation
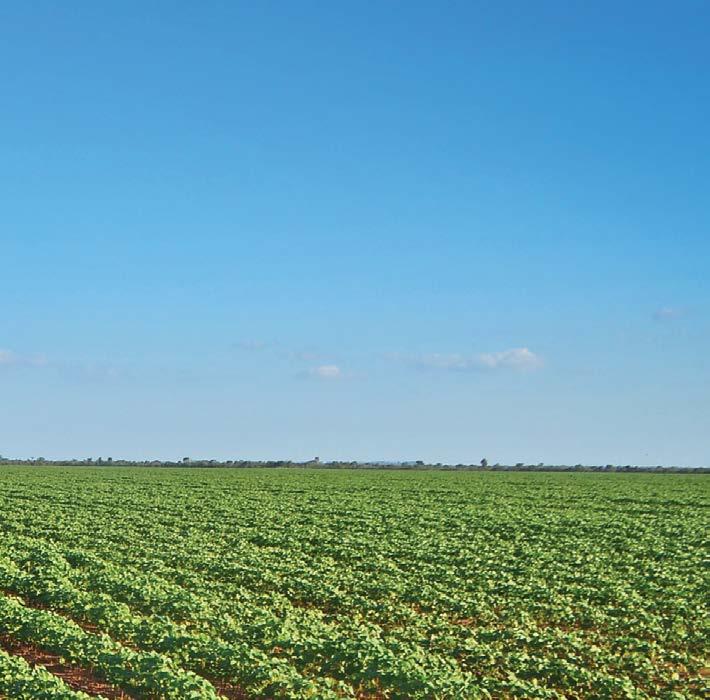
315,463
295,583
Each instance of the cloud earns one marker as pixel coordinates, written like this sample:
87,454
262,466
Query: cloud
517,358
8,358
76,371
98,372
520,359
668,313
253,345
326,372
304,355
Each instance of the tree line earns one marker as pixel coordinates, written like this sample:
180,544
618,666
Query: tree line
316,463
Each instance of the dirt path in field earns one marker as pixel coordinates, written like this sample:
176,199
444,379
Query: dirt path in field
75,677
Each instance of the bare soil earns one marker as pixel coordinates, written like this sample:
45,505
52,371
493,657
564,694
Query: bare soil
75,677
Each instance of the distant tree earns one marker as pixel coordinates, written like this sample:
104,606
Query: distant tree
484,462
519,465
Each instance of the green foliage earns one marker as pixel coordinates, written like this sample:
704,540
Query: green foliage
19,681
334,584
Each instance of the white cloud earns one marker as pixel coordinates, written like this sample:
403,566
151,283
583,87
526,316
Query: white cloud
668,313
96,372
78,371
8,358
304,355
254,345
515,359
326,372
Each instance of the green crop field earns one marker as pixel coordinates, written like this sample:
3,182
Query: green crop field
169,583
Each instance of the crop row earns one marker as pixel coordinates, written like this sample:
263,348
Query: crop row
409,585
20,681
336,650
150,674
233,660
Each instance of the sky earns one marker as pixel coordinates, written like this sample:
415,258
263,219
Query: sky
356,230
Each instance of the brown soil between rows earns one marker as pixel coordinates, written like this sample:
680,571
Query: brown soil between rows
75,677
12,645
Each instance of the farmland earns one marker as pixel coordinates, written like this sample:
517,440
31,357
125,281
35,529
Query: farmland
192,583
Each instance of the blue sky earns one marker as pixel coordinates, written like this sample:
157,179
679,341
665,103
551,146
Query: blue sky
357,230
